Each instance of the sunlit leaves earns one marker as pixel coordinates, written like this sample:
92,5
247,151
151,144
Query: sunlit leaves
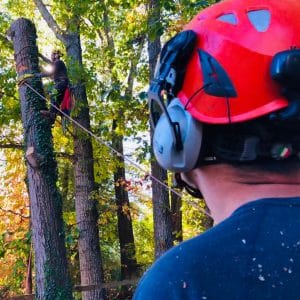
14,225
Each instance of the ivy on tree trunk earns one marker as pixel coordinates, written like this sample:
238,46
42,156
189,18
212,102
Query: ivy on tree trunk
85,202
51,273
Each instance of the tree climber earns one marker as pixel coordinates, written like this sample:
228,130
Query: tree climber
225,106
61,96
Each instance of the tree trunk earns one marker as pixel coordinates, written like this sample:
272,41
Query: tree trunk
86,210
125,230
127,247
176,203
28,279
160,195
161,212
52,277
207,221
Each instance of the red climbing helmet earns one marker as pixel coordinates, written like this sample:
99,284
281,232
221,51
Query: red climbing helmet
236,41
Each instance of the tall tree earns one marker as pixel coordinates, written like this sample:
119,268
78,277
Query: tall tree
86,210
121,50
160,195
125,230
52,277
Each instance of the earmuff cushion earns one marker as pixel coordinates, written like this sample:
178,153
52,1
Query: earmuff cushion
164,140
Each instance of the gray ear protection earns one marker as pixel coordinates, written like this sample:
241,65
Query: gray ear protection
164,141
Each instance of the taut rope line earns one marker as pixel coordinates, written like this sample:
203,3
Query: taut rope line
116,152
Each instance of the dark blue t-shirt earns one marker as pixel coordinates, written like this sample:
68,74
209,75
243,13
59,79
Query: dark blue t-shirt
253,254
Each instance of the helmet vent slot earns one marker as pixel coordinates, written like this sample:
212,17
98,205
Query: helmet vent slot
260,19
228,18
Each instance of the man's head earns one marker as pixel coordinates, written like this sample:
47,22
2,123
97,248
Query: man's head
226,90
55,55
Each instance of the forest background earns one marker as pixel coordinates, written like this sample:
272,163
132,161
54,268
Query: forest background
136,219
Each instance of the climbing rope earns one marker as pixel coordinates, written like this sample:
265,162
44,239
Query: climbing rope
22,78
116,152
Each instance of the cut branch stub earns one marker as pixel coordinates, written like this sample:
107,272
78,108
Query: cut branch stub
22,61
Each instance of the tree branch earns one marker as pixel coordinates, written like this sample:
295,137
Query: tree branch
133,66
65,155
11,146
92,287
14,213
107,31
59,33
44,58
98,31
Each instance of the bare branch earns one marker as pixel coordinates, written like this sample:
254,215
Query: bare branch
107,30
20,146
11,146
89,22
44,58
65,155
113,284
67,129
92,287
59,33
14,213
133,67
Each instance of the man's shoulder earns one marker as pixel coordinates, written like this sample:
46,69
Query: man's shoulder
191,266
167,276
215,264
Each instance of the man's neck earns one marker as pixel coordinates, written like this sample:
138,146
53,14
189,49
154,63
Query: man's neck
224,191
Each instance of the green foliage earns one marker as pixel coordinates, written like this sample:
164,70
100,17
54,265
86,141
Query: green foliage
71,239
194,220
76,72
9,104
5,21
14,247
143,229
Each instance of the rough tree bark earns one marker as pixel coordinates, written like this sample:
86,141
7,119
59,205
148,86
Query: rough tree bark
52,277
85,202
176,203
28,279
160,196
86,211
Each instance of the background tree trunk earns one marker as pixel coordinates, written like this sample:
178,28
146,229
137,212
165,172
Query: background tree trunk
127,247
85,200
52,277
207,221
160,195
176,203
125,230
28,278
